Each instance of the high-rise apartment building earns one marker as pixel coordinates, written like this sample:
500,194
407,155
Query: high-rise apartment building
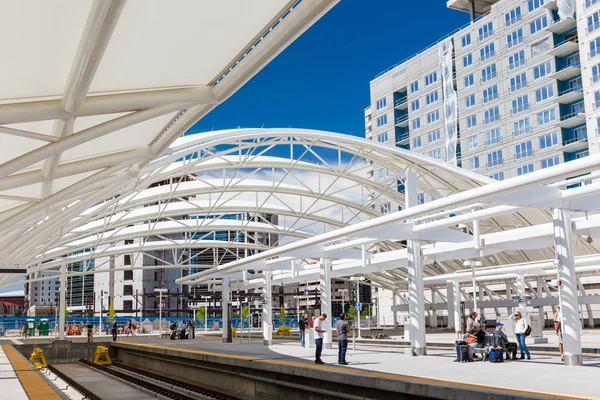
515,91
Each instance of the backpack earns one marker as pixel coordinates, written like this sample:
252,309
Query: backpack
528,331
496,356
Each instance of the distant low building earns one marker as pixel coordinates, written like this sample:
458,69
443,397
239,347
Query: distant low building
11,302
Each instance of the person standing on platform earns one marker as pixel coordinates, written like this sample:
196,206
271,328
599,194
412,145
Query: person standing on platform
114,331
319,334
183,330
192,325
302,322
90,332
520,329
342,329
471,321
558,329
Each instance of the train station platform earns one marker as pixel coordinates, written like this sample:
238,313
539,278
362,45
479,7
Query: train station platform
20,380
374,368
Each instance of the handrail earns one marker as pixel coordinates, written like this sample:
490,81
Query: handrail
575,140
578,88
572,115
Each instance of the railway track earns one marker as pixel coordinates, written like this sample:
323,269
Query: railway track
86,394
166,387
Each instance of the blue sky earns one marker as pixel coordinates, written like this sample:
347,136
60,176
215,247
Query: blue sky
321,81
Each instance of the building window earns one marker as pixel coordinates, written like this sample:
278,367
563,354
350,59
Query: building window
416,123
593,21
467,60
472,142
499,176
414,106
548,140
421,198
381,120
596,73
491,115
516,60
538,24
470,101
486,52
414,86
469,80
523,150
474,163
550,162
533,4
127,290
522,127
520,104
518,82
589,3
514,38
542,70
416,142
595,47
524,169
127,259
512,16
492,137
544,93
466,40
490,94
382,137
494,158
437,154
381,103
486,31
127,305
433,116
386,207
488,72
471,121
155,276
546,116
433,136
432,97
431,78
128,275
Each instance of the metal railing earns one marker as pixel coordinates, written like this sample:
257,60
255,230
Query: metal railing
486,35
487,99
487,56
524,154
521,108
488,77
401,137
592,27
589,3
400,101
490,120
520,62
575,140
578,88
518,86
512,21
522,131
494,141
495,163
401,119
513,43
572,115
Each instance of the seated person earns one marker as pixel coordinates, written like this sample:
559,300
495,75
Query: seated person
502,341
475,339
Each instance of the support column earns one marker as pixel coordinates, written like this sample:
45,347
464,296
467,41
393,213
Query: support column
325,285
416,298
522,301
472,10
588,307
267,311
433,310
457,316
225,296
509,294
540,294
395,303
567,286
62,302
450,304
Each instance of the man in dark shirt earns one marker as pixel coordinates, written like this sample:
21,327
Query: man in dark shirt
502,340
342,328
476,339
302,323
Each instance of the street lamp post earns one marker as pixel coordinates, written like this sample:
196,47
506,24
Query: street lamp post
160,294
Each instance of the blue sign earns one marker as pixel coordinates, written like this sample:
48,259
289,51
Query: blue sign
306,292
358,306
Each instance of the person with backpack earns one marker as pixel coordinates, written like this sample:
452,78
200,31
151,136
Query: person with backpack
114,331
302,323
522,330
502,340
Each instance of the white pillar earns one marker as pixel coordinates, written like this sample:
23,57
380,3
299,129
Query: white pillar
325,287
395,303
225,295
540,294
433,321
567,289
457,316
63,302
450,304
509,295
416,298
522,301
267,311
474,288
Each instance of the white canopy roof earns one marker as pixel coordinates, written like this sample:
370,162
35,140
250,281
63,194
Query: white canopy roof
94,90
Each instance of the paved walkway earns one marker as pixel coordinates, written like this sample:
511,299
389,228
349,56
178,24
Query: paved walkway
543,376
11,387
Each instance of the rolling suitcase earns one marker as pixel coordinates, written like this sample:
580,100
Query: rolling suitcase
462,352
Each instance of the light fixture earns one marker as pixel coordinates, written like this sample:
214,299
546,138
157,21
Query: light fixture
436,265
589,239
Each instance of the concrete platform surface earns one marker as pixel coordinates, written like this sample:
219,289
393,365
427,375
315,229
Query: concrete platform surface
542,376
100,384
9,382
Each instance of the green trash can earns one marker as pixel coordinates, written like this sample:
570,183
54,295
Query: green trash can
30,326
43,327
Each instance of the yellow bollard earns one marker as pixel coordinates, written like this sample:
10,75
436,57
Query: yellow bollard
101,356
37,358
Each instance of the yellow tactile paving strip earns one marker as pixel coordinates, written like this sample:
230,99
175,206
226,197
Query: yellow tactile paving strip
35,386
406,378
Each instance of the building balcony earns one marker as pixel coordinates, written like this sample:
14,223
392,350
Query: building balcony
572,120
575,144
482,7
402,138
559,26
567,72
571,95
402,121
401,104
552,5
563,48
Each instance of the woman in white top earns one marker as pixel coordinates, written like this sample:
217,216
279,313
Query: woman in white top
520,328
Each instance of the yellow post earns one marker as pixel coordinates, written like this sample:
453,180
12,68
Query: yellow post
37,358
101,356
